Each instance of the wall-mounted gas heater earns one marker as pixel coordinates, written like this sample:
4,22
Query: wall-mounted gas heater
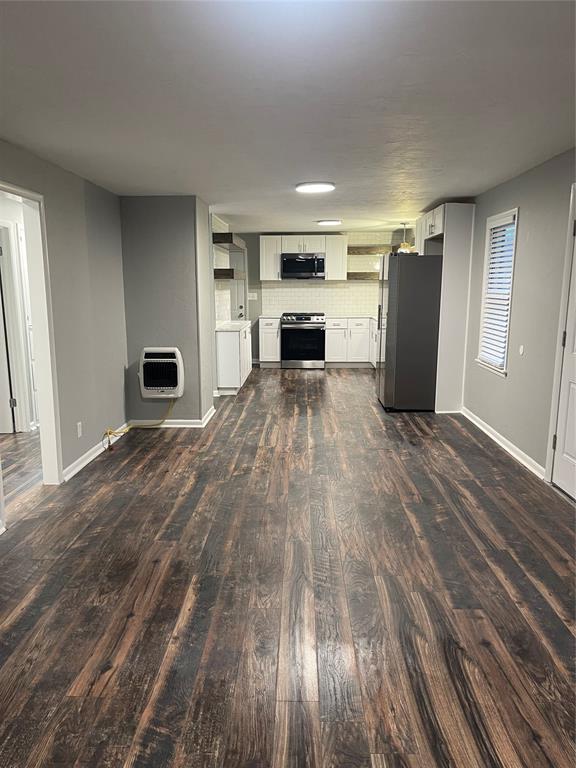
161,372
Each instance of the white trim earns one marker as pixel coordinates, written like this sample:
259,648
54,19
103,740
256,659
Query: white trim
175,423
503,442
500,219
89,456
468,302
492,368
42,321
448,412
225,391
568,256
216,393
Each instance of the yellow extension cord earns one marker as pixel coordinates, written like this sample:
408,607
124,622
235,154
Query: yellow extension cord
110,433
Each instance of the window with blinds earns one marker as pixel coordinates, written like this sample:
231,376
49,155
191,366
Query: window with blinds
497,291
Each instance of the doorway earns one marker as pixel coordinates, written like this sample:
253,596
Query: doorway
29,438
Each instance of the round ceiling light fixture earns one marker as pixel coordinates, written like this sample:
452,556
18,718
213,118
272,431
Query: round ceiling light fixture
315,187
329,222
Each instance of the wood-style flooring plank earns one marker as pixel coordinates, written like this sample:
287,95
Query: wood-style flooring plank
309,581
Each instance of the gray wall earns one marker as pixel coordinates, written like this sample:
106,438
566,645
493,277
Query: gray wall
167,284
159,252
84,252
254,286
518,406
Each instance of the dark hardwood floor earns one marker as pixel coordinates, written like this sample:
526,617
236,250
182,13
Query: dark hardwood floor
306,582
21,464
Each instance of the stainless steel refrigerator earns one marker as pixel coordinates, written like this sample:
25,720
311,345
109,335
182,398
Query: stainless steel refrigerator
408,347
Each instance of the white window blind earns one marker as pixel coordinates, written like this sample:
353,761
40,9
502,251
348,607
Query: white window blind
497,292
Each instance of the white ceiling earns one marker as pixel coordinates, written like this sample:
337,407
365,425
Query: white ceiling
399,103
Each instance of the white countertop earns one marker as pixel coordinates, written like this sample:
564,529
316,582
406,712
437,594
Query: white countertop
233,326
329,317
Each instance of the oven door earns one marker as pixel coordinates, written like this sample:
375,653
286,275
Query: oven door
299,266
302,346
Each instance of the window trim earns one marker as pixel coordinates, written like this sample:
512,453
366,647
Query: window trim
500,219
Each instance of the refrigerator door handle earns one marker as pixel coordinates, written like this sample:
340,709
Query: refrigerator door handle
379,323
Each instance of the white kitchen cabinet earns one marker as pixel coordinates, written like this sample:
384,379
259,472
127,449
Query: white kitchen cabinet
233,355
373,342
384,265
438,220
292,244
430,224
419,234
245,353
303,243
270,250
314,243
337,344
336,261
348,340
269,337
358,341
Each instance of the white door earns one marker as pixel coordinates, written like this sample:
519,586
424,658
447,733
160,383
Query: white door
564,470
336,345
314,243
5,410
359,345
292,244
336,265
270,248
270,345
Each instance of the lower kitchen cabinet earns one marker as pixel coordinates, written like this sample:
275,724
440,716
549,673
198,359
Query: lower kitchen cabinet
348,340
233,355
336,345
269,338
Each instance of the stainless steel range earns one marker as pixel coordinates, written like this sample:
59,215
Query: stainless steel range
302,339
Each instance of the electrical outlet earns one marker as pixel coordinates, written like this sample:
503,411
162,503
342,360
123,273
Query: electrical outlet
79,428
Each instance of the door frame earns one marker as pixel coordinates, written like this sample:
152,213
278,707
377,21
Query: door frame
566,277
42,319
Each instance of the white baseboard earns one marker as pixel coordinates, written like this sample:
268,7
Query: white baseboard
215,393
176,423
89,456
224,391
503,442
448,412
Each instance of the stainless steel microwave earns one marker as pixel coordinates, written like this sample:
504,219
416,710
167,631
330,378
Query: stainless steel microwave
303,266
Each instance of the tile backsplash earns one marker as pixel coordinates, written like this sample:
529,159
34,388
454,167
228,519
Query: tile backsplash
349,298
223,299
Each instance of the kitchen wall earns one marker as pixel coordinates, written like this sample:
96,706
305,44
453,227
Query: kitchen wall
160,282
518,406
86,291
347,298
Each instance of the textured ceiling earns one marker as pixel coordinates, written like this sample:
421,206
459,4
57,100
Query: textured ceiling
399,103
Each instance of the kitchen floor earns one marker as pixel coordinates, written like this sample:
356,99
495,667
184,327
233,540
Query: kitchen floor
309,581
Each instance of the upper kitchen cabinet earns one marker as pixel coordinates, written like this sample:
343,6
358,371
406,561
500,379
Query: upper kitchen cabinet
314,243
431,224
270,250
336,265
303,243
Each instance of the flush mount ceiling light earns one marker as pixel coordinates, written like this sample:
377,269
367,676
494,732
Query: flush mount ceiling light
329,222
315,187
